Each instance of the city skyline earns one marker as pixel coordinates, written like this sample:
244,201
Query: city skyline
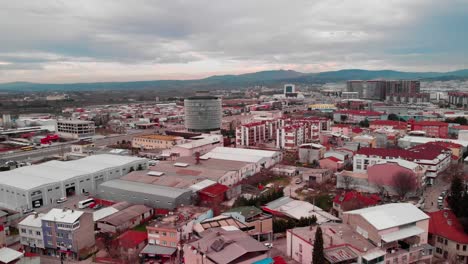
88,41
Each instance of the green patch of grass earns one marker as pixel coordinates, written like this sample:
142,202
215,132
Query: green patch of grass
141,227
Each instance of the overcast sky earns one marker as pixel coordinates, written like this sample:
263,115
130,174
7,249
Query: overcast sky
116,40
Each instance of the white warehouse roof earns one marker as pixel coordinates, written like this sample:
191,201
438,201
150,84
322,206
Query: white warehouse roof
238,154
391,215
34,176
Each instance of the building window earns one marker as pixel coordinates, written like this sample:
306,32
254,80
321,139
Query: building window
464,247
173,234
446,242
38,233
300,248
23,230
458,246
173,244
438,250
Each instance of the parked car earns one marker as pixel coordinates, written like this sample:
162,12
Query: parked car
298,181
62,200
86,193
269,245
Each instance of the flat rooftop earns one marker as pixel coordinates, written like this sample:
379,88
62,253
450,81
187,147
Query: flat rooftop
159,137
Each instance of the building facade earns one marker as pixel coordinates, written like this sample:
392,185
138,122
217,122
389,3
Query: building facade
75,129
148,142
203,113
30,231
67,231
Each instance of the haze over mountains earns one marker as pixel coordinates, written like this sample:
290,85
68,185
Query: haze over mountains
237,81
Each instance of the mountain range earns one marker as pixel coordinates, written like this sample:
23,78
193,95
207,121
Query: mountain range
274,77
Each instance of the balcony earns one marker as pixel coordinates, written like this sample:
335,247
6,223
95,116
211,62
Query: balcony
410,255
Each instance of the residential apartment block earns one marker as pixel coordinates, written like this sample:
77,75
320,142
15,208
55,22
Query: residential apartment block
433,158
67,231
446,234
30,231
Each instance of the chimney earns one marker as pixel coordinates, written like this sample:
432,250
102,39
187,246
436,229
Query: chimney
449,222
445,214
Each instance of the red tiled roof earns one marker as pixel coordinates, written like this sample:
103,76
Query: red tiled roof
357,130
419,152
333,159
368,200
132,238
253,124
2,228
214,190
446,144
439,225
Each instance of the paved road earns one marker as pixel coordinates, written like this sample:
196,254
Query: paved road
432,193
290,189
65,147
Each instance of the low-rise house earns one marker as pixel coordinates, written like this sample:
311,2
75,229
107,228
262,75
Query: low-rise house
397,173
341,243
365,141
296,209
260,224
310,152
315,176
67,231
352,200
30,231
398,229
446,234
332,163
176,227
125,219
224,245
130,243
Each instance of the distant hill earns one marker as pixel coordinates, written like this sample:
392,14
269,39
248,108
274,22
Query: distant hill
274,77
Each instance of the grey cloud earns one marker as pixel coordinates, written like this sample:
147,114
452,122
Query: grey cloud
180,32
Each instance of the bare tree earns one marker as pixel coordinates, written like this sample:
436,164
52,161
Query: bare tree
404,183
347,182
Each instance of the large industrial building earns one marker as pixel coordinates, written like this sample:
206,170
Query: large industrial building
38,185
203,113
151,195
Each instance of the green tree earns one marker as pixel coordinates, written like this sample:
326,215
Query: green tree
364,123
318,256
393,117
458,120
456,196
